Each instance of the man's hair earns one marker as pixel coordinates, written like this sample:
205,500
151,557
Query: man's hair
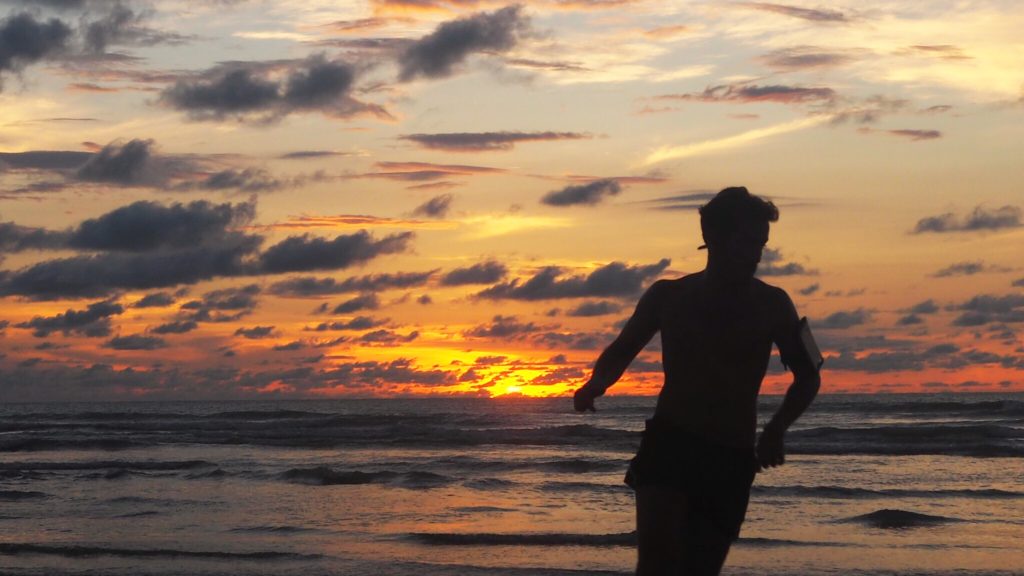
733,209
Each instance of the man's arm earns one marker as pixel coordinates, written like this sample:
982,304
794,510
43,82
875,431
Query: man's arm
637,332
806,381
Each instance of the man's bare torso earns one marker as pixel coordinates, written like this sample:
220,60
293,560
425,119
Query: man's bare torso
715,348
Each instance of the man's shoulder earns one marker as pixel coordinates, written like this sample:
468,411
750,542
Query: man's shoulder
674,286
682,282
772,294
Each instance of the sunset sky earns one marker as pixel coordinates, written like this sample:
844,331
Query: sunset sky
257,199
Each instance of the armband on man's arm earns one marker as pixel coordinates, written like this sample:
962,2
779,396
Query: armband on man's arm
806,348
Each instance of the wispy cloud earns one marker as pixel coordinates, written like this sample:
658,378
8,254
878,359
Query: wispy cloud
813,15
981,218
588,194
808,57
487,141
753,93
908,133
729,142
968,269
350,221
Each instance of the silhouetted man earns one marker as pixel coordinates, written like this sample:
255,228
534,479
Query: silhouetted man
698,456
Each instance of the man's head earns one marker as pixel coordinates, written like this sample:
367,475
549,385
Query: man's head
735,228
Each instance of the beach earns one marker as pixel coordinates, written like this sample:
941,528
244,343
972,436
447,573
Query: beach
874,484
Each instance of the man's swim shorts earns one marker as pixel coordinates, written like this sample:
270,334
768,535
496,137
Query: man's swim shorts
715,478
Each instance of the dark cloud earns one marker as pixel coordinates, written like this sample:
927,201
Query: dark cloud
119,163
615,279
573,340
102,274
988,309
154,300
846,319
924,307
49,346
310,286
967,269
562,375
430,167
361,302
136,342
256,332
290,346
25,40
307,154
266,92
1019,282
120,25
442,185
146,226
410,175
387,338
753,93
914,134
437,54
54,382
244,180
92,322
177,327
486,141
588,194
804,57
687,201
224,305
811,289
877,362
483,273
318,84
436,207
357,323
944,356
230,91
599,308
980,218
376,374
15,238
56,160
54,4
424,300
909,319
813,15
503,327
329,343
772,264
306,253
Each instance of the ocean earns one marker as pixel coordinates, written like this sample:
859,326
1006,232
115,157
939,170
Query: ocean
873,484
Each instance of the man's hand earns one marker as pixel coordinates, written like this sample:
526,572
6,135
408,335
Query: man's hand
583,400
771,450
